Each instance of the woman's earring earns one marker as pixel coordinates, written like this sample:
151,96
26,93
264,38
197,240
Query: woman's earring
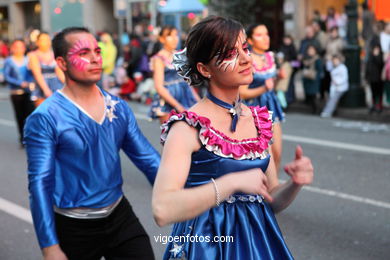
209,76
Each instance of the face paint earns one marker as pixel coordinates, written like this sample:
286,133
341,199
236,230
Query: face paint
230,61
232,58
79,48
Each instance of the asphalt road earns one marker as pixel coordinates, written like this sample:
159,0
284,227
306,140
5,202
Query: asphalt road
344,214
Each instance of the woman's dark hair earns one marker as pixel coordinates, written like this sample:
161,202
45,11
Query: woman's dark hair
60,45
17,40
212,37
251,28
167,30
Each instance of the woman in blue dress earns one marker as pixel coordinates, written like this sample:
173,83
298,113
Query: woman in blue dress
217,180
48,77
19,81
173,93
261,90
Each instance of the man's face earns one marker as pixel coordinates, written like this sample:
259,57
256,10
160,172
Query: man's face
83,59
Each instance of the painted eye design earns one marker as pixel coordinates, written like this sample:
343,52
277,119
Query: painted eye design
245,47
232,54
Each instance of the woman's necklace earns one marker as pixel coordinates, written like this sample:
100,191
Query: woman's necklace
234,110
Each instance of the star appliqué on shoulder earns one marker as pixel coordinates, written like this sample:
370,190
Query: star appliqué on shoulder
110,104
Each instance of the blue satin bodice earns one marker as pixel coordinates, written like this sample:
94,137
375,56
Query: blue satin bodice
206,165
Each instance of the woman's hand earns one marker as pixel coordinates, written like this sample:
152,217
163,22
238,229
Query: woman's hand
269,84
300,169
252,181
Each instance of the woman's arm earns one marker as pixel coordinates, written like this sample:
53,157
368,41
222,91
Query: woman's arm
60,74
301,173
248,93
35,68
158,77
172,202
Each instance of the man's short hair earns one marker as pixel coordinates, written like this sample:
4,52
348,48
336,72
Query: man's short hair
60,45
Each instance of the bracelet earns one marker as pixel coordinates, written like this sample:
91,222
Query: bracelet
218,198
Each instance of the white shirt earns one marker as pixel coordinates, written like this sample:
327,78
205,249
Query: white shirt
339,76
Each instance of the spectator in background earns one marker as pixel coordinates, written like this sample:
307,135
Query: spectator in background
317,18
290,55
311,76
334,47
339,85
385,40
368,24
373,76
309,40
331,19
109,53
284,74
320,36
386,78
4,51
19,77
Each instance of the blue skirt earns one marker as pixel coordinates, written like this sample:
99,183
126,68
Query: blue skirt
242,230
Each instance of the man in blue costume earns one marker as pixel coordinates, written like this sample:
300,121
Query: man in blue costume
75,181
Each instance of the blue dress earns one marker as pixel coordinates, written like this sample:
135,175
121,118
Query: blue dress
50,76
177,87
247,221
269,98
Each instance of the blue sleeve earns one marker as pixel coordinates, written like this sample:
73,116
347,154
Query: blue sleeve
138,148
39,138
8,74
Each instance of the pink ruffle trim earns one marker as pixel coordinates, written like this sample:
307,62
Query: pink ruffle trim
217,142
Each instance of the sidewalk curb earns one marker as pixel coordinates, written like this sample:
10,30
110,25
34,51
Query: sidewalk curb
346,113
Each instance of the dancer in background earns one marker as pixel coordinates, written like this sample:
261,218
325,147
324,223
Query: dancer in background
216,177
48,77
261,92
19,80
173,93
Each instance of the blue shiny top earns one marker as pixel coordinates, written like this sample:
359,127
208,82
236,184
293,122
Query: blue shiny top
15,74
73,160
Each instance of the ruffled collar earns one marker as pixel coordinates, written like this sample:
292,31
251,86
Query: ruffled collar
219,143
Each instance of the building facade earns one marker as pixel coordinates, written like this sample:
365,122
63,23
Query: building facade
19,17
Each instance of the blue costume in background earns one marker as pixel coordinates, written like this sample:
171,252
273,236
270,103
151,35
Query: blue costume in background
50,76
74,162
248,219
177,87
15,74
269,98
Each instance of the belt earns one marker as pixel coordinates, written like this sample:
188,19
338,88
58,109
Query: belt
88,213
245,198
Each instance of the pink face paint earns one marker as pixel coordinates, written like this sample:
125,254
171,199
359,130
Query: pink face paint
231,60
75,52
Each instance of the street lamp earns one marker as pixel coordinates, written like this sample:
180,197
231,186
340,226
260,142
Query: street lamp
355,96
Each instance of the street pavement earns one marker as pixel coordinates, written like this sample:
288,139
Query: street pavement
344,214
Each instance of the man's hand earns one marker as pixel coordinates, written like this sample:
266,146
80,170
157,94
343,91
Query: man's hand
53,252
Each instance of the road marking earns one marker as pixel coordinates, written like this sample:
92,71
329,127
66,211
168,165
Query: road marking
6,122
350,197
340,145
15,210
